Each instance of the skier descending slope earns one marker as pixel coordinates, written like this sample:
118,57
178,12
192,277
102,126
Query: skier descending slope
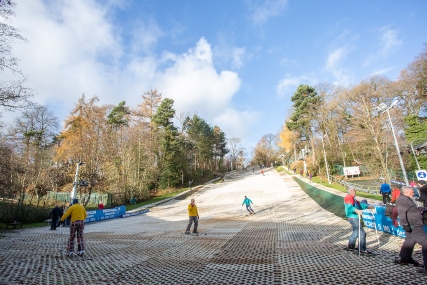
248,203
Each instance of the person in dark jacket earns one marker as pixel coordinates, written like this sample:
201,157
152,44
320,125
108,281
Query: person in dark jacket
423,192
412,222
385,190
55,214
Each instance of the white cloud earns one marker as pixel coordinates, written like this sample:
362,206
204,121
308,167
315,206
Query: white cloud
237,124
382,71
338,52
194,84
238,56
264,10
334,65
229,56
388,42
65,58
145,36
334,58
288,85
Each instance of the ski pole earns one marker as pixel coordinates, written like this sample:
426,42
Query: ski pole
359,234
375,226
61,250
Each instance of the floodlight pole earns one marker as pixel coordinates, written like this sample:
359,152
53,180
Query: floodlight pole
326,161
384,108
76,182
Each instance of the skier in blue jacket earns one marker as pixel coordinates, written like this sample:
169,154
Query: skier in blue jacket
248,203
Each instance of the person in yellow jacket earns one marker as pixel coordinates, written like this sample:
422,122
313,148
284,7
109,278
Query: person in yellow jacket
193,215
78,216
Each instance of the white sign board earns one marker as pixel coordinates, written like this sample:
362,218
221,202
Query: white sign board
421,174
354,170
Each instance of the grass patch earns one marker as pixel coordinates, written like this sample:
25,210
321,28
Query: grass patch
280,169
220,180
343,189
26,226
338,187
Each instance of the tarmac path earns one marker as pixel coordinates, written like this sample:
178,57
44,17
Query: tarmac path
290,240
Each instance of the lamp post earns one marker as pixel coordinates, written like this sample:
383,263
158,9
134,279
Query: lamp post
383,107
326,161
76,182
303,151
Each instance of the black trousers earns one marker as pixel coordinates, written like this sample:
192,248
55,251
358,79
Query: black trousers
386,198
418,235
54,223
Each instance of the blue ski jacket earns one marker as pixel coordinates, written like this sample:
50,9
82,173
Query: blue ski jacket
385,188
247,201
350,205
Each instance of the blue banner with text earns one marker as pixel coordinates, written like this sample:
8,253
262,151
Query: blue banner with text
105,214
377,219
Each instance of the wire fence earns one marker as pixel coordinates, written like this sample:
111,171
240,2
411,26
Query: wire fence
371,189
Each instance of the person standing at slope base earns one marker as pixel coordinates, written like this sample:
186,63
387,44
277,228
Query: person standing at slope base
248,203
193,216
395,194
78,216
423,192
385,190
353,211
55,214
412,222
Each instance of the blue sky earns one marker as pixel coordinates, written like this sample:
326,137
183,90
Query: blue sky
235,63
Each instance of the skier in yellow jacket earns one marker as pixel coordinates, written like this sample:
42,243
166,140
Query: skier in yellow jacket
78,217
193,215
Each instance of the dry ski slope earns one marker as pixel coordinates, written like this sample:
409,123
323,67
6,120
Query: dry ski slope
290,240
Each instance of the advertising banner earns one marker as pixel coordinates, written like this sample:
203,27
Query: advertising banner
354,170
134,213
377,218
105,214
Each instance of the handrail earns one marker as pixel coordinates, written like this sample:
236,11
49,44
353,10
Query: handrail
358,187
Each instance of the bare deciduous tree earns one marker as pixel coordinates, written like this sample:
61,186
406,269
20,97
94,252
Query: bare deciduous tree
13,92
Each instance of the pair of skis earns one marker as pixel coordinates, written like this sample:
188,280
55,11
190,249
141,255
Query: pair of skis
75,254
361,253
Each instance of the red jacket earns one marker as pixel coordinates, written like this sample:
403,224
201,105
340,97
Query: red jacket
395,194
